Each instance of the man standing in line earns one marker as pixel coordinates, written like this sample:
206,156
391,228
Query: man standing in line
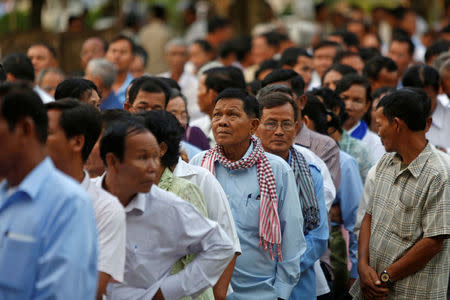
403,242
48,235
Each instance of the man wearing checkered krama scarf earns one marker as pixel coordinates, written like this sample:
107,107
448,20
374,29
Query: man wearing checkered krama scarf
263,198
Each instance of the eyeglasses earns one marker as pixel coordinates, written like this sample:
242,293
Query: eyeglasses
285,125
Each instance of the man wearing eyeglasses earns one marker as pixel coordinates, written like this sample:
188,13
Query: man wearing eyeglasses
277,131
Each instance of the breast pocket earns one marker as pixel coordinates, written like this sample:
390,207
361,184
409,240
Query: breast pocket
18,255
407,221
249,212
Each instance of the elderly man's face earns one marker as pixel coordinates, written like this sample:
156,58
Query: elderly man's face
230,123
277,129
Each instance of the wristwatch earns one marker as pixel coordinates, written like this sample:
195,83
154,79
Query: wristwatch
385,278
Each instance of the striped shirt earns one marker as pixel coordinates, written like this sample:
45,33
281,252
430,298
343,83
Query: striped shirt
406,206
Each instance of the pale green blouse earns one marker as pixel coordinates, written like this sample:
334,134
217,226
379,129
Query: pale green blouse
192,194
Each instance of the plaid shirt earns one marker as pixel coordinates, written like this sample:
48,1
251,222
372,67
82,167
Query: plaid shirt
406,206
359,151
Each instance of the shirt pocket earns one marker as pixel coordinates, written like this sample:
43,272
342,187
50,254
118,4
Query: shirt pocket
18,255
407,220
249,212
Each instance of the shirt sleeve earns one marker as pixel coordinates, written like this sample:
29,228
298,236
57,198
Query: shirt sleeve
111,239
436,211
213,248
350,193
68,262
316,239
365,199
293,243
332,160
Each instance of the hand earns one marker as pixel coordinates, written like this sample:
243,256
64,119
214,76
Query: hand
370,283
158,295
350,282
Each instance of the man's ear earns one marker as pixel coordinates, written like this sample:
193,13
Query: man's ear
127,106
301,102
10,77
428,124
77,143
308,122
112,162
162,149
25,127
254,122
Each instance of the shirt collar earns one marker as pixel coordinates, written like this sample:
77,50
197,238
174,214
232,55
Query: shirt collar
86,180
137,203
417,165
249,151
183,169
354,127
32,183
304,136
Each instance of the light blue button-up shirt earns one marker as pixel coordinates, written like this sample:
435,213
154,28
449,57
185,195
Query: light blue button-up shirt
316,244
48,238
255,275
348,196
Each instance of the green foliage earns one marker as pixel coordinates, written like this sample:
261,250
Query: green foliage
15,21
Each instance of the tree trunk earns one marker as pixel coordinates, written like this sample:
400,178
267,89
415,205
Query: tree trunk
36,8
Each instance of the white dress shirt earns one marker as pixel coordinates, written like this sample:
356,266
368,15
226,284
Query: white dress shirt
439,133
161,229
45,97
216,200
111,228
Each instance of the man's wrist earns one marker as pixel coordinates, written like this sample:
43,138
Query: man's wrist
386,279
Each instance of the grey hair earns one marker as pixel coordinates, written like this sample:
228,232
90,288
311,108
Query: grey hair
102,68
43,72
175,42
272,89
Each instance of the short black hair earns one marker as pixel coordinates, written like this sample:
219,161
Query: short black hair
279,88
17,101
217,23
242,46
349,38
74,88
220,78
343,54
276,99
251,106
401,38
205,45
113,140
436,48
172,83
408,105
368,52
295,80
2,74
19,65
254,86
111,115
158,11
148,84
325,43
317,112
332,100
78,118
272,38
341,69
268,64
421,76
122,37
142,53
382,90
166,128
374,66
348,80
290,55
48,47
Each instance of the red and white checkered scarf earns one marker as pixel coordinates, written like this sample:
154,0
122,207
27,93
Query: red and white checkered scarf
269,223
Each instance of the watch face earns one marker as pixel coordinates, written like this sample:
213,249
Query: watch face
384,277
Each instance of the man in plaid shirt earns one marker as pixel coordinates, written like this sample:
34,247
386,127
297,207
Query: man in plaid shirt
403,244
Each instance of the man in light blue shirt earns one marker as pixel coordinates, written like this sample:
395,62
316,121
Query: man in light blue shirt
259,273
48,237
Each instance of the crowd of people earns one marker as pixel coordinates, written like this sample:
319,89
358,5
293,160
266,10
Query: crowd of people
245,167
